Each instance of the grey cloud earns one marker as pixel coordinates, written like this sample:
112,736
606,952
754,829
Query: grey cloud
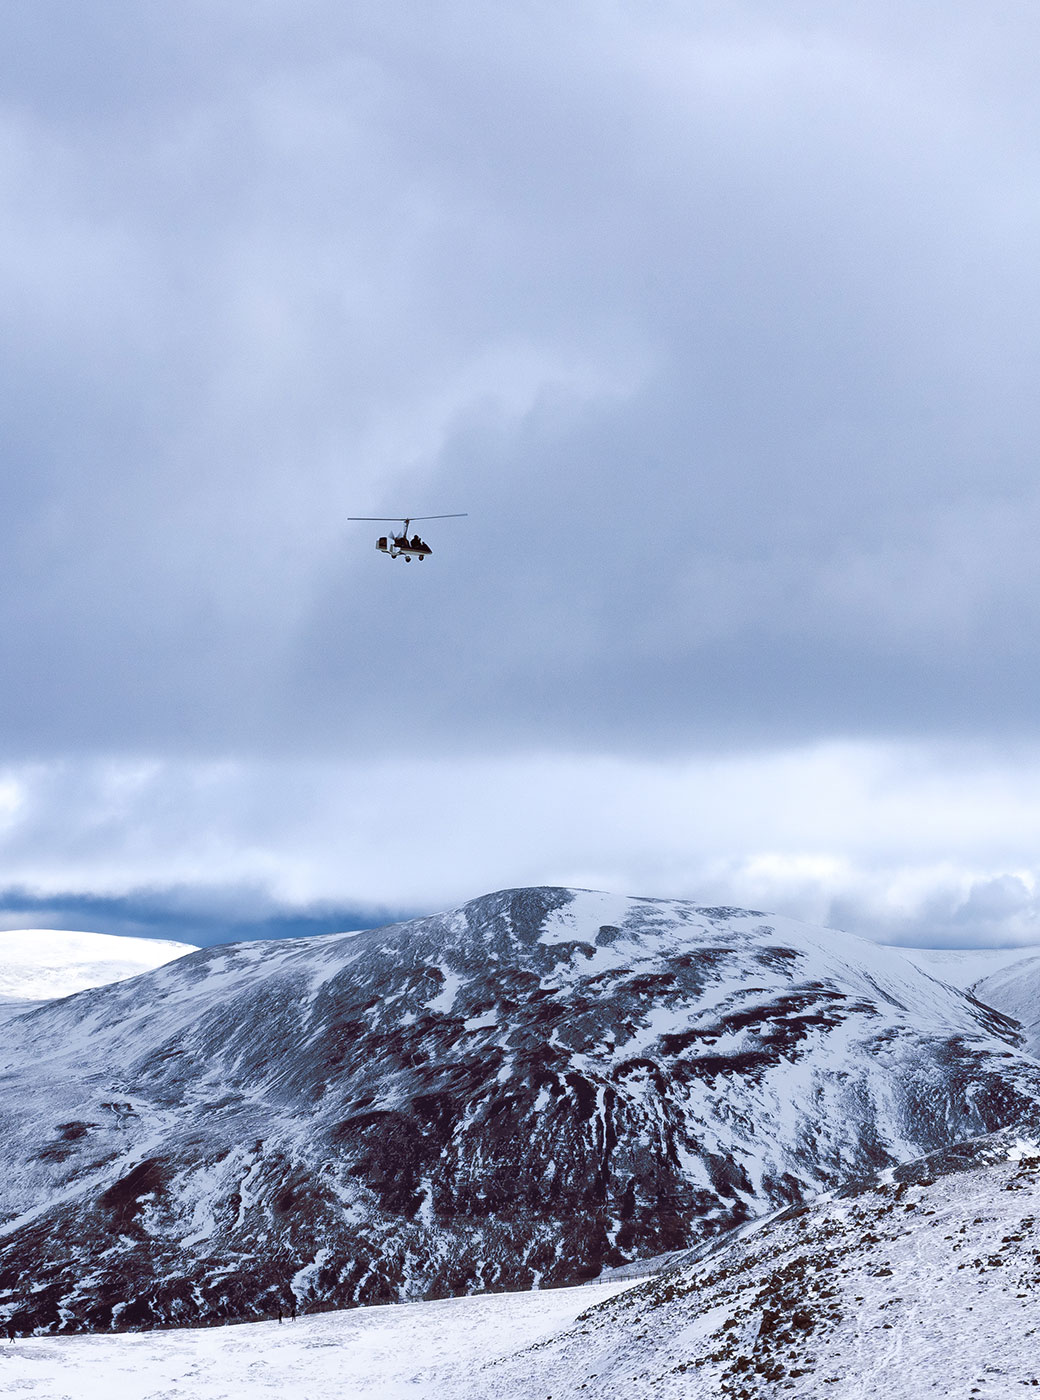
721,325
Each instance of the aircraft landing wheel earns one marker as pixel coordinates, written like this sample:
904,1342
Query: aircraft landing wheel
421,558
407,558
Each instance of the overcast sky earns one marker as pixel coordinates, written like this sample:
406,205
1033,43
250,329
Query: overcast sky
721,320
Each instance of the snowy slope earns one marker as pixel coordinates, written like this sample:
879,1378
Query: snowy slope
925,1282
1007,979
522,1091
964,967
1015,991
37,964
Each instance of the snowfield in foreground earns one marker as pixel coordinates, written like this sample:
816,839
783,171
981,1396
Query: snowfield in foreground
407,1351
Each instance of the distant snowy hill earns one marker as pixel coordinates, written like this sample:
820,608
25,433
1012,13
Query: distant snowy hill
1015,990
38,964
964,967
1008,979
522,1091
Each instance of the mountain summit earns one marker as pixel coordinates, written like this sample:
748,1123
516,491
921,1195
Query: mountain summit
518,1092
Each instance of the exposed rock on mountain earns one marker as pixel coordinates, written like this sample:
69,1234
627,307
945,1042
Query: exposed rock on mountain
540,1083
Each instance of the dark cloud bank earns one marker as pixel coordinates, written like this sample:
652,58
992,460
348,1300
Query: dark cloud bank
201,916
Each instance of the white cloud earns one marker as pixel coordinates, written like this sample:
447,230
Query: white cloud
896,843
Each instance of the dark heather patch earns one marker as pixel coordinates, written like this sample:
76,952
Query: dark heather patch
723,913
54,1153
125,1197
778,959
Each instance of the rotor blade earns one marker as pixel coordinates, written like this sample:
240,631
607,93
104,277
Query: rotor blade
376,517
455,515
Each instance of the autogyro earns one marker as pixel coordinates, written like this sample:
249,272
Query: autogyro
400,545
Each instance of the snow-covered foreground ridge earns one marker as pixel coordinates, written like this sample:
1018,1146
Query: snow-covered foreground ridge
521,1091
923,1282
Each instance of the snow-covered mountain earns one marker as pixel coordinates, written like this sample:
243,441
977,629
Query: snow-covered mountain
38,964
524,1090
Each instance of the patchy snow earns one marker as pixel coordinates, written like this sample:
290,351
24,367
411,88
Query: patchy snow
408,1351
923,1281
238,1112
484,1022
38,964
445,998
586,909
212,1127
303,1279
